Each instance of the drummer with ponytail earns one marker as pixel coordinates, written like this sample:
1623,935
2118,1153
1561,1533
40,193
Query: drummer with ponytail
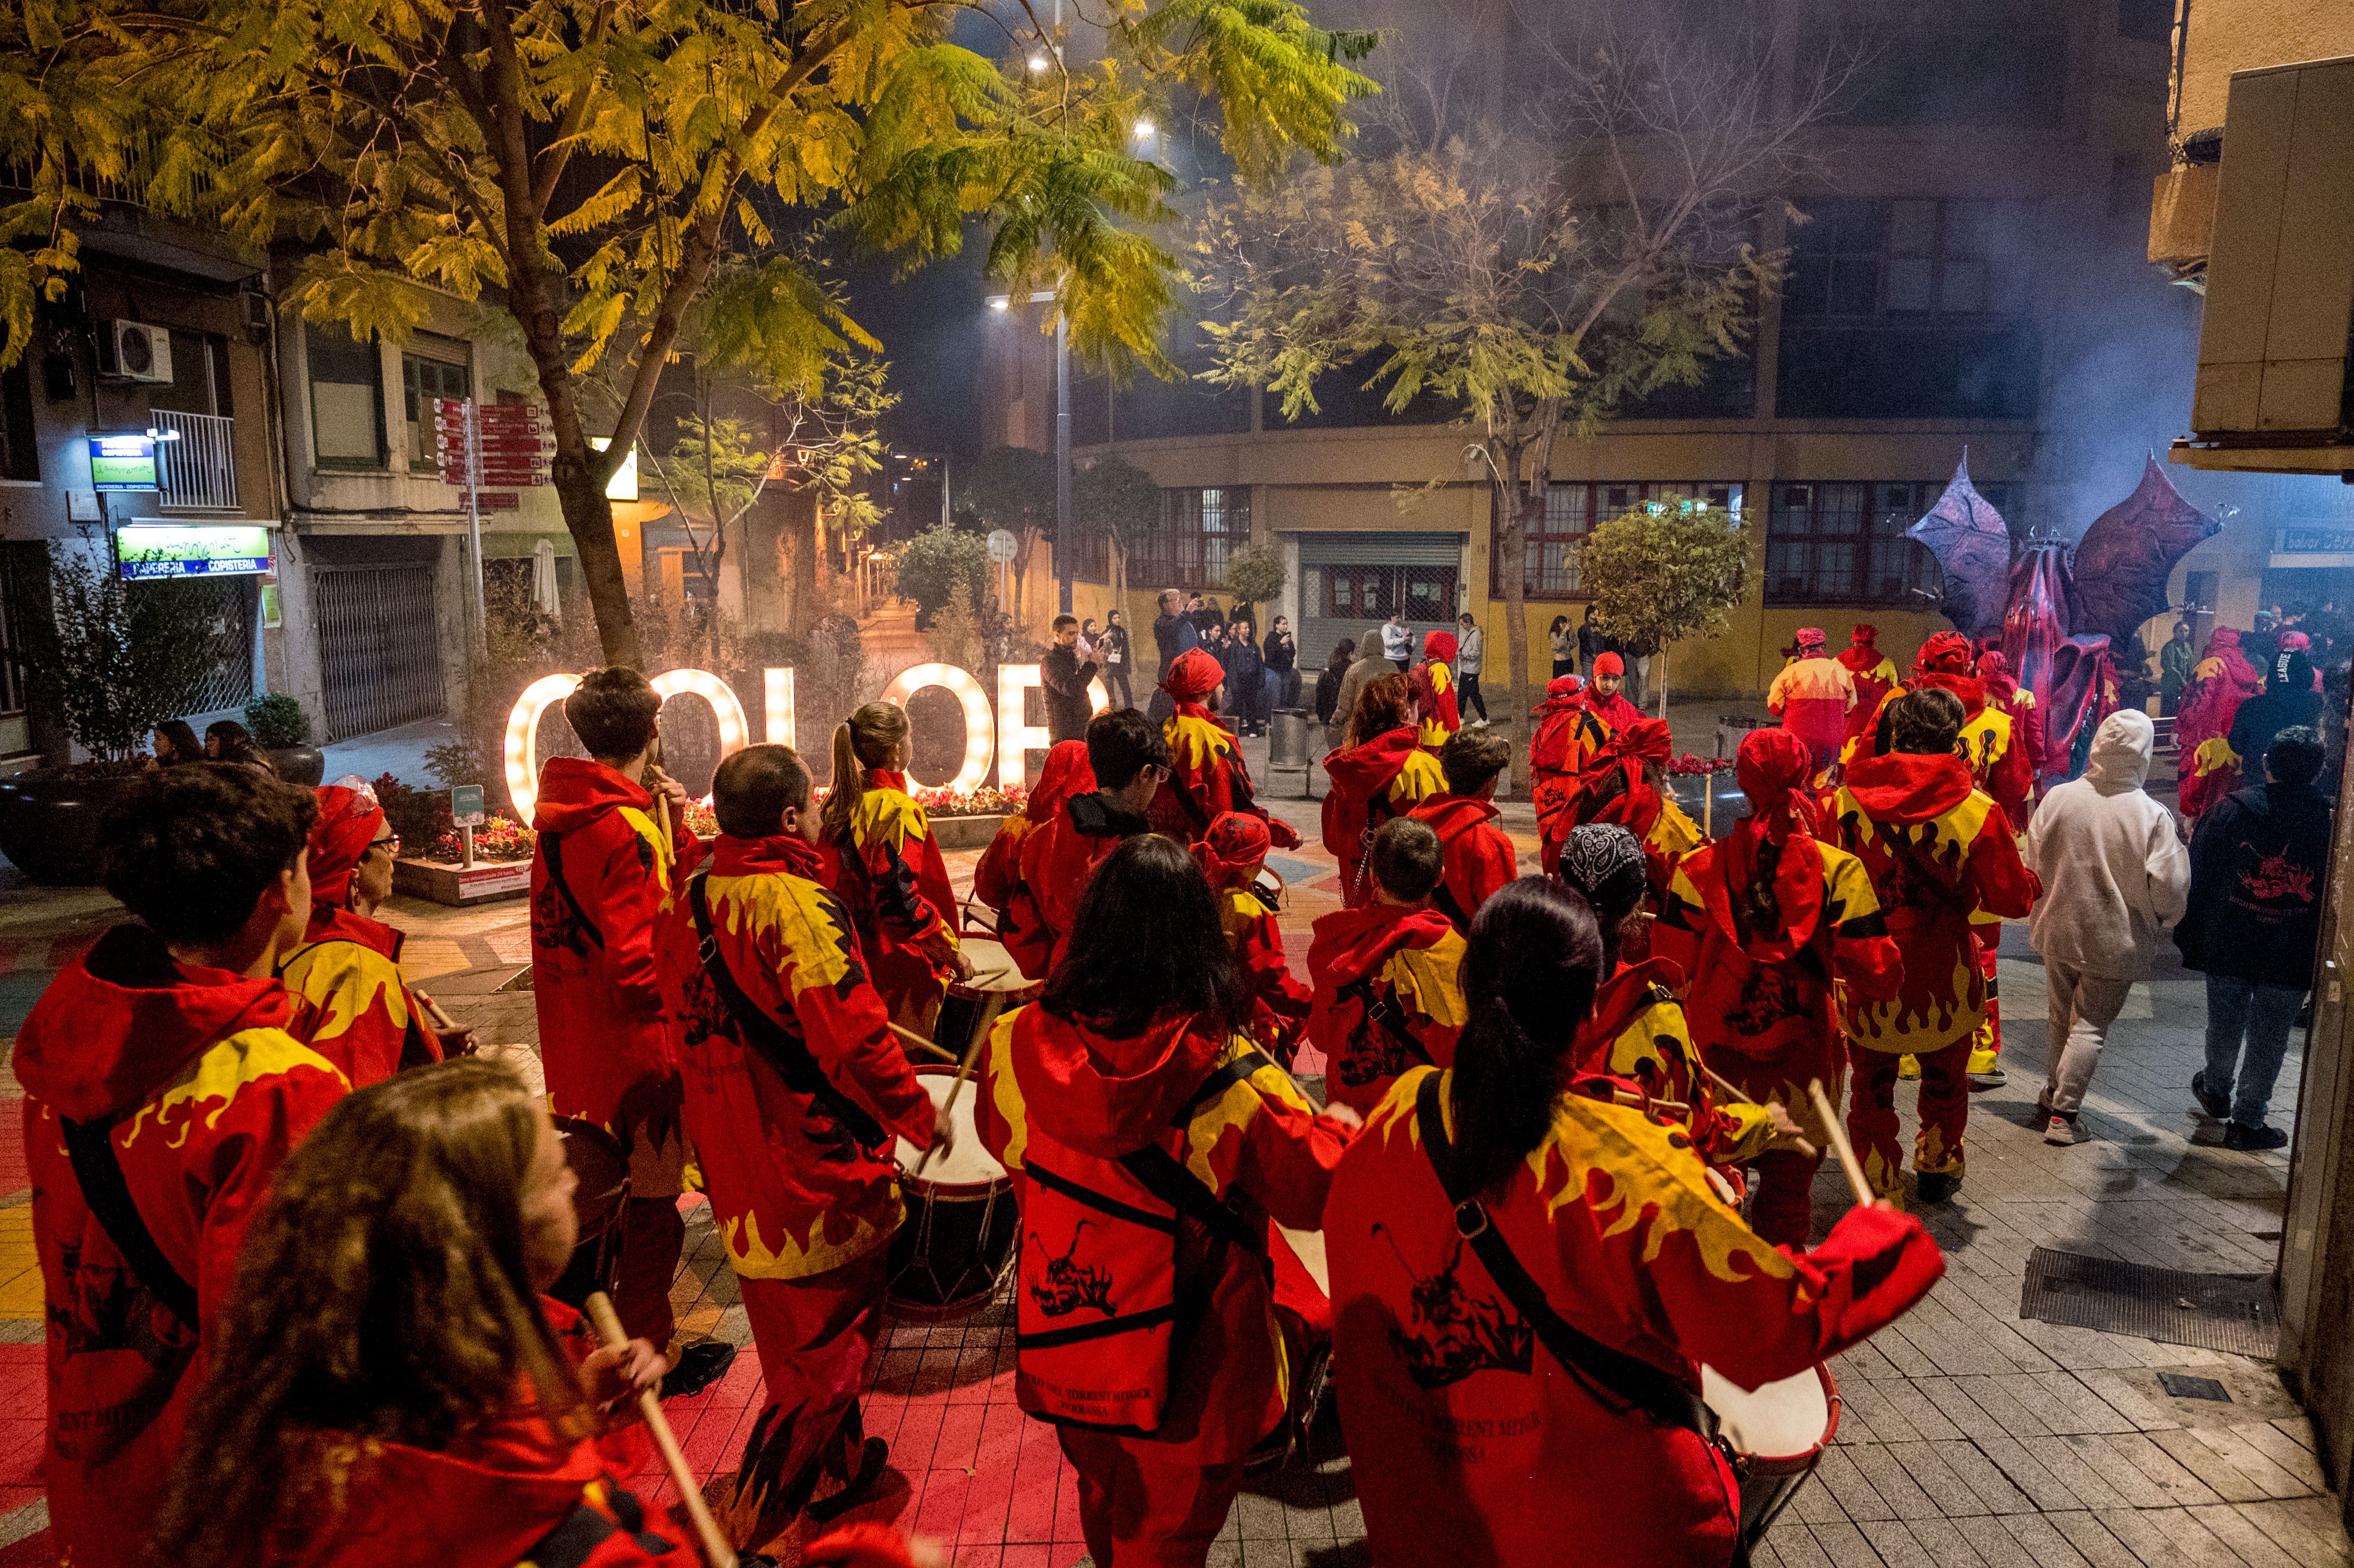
1488,1415
888,868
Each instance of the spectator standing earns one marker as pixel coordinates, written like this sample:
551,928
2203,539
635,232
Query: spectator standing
1397,640
1564,639
2257,863
2260,644
1246,677
1068,707
2174,664
1282,657
1118,660
1175,635
2114,876
1372,662
1470,646
1327,682
1592,642
2289,700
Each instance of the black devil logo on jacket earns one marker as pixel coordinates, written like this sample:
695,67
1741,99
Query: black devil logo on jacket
1453,1333
1067,1285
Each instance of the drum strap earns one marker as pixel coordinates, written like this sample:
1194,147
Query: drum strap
1628,1381
554,844
785,1052
97,1171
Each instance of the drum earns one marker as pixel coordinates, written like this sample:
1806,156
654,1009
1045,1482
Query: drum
957,1241
602,1165
994,977
1775,1436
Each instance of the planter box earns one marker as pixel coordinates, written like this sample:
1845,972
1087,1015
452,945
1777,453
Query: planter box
445,882
965,833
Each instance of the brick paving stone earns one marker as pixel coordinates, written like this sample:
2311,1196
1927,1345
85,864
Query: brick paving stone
2309,1529
2248,1460
1979,1474
1947,1492
2040,1538
2026,1472
2093,1540
1949,1544
2181,1487
2250,1544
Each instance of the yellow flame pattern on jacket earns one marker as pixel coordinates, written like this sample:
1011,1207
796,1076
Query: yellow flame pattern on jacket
216,1076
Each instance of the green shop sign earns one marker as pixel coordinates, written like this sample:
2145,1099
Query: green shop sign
171,550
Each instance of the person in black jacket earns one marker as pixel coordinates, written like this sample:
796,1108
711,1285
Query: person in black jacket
1174,634
2257,867
1246,676
1327,682
2289,699
1282,655
1065,679
1118,661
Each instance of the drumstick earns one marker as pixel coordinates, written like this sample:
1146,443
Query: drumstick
661,802
433,1013
921,1043
716,1548
988,1011
1856,1179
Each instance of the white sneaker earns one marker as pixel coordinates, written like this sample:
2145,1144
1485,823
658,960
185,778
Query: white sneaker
2061,1131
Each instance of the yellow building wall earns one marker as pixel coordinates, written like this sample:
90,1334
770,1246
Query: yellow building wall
2228,36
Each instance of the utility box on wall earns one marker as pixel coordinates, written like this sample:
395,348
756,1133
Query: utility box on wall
2272,345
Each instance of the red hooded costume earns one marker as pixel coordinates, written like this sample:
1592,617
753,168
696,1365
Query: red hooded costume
1568,736
1612,790
349,1000
1206,775
1614,711
1872,672
1434,690
1389,996
1057,861
1636,1037
2205,763
1471,1444
1937,851
997,880
1156,1420
892,881
202,1092
1373,782
601,876
1478,855
1230,855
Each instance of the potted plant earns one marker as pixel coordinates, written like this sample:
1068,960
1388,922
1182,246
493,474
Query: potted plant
125,657
282,730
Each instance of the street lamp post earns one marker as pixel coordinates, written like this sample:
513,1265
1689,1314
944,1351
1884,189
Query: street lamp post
1062,438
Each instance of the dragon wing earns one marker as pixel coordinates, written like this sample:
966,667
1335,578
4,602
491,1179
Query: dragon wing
1972,544
2125,557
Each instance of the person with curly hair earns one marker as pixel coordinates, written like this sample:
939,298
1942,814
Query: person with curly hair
1379,773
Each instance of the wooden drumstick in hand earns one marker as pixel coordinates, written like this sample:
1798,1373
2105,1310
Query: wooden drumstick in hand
716,1548
921,1043
988,1011
1856,1179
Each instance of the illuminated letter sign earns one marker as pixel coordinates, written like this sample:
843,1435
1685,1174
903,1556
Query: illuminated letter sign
980,726
1015,738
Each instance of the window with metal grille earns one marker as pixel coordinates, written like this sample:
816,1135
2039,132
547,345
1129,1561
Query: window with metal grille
19,450
1573,508
1200,531
1371,593
227,608
424,377
1842,543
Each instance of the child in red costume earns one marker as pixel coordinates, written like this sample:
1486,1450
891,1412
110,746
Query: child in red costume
1386,993
1124,1099
1206,775
1478,855
887,870
1764,920
1937,851
350,1004
1473,1441
601,876
1434,690
1568,736
1230,855
1380,773
1130,760
795,1088
165,1051
391,1387
997,881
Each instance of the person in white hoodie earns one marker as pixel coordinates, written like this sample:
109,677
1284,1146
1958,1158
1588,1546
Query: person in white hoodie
2114,876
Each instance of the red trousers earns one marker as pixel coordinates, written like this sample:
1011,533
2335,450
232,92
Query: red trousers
652,1236
1782,1208
812,1335
1141,1508
1945,1107
1989,1035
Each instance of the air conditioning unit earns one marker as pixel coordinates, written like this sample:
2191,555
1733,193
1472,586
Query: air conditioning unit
136,351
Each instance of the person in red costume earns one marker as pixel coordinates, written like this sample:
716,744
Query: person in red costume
997,881
870,1546
164,1054
1637,1034
1766,920
886,869
1624,784
2207,767
392,1386
602,875
1151,1143
1813,694
1434,690
1129,761
1479,1433
1276,1005
1380,773
1938,851
1478,855
1386,996
1605,694
1568,734
1206,775
1872,673
795,1088
350,1004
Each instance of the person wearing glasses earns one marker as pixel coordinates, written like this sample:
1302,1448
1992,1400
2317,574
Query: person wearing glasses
350,1002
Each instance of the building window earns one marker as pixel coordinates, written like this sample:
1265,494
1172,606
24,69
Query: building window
1200,531
1993,63
1573,508
1371,593
19,450
1842,543
346,398
423,377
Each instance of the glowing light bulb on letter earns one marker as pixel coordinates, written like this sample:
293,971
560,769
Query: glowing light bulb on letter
980,727
523,735
735,730
777,689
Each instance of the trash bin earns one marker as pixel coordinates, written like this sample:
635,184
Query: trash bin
1287,754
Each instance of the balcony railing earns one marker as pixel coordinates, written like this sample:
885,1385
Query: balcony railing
198,470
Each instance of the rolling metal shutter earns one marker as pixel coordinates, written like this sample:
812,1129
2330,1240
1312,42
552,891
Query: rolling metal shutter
1350,581
379,646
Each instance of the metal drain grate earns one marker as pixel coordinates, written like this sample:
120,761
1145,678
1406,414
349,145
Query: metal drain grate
2229,1312
2181,1385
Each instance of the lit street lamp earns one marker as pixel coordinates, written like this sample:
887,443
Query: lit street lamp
1061,439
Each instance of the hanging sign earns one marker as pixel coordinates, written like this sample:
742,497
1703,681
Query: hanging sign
122,462
171,550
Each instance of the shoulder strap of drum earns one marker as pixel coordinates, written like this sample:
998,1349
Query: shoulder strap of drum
1627,1379
97,1171
786,1053
554,844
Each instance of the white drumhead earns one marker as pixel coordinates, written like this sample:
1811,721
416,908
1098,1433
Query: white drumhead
993,968
968,1164
1775,1422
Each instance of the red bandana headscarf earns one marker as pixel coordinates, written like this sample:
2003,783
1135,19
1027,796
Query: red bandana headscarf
1194,675
1233,850
1994,670
1773,768
1810,641
1946,653
1637,805
1440,645
1608,665
348,821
